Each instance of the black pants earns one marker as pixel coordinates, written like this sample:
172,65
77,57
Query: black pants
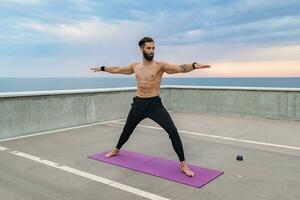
152,108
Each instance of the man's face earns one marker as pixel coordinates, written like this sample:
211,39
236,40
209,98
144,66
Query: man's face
148,51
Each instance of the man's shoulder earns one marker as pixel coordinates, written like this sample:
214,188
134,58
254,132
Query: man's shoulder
161,63
134,64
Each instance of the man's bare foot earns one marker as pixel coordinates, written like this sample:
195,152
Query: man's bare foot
112,153
186,170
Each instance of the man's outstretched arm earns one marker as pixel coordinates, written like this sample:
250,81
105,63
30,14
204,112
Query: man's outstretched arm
114,70
183,68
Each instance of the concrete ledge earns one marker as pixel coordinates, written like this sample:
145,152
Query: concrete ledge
56,92
82,91
24,113
30,112
272,103
232,88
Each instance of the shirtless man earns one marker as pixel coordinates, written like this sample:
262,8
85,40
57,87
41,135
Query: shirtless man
147,102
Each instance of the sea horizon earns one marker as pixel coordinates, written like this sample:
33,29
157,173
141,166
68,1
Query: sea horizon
21,84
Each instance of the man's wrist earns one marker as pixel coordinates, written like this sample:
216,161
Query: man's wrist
102,68
194,63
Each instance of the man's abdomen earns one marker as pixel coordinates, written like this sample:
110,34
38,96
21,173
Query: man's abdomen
148,89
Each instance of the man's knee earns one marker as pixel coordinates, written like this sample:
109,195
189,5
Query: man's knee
173,132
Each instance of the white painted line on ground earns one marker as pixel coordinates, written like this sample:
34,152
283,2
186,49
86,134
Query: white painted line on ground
137,191
59,130
3,148
86,175
222,137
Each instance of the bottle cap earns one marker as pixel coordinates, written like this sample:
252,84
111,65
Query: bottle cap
239,158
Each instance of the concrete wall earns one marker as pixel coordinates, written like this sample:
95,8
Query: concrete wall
24,113
273,103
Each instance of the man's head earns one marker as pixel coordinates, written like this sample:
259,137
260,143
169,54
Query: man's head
147,47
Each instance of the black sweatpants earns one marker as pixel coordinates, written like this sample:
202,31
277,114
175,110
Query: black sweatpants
152,108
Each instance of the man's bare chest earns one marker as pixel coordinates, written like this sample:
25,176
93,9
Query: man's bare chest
147,73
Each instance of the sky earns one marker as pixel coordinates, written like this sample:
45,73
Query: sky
65,38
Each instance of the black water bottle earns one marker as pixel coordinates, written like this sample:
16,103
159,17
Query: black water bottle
239,163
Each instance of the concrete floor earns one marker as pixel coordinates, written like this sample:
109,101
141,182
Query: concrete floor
270,171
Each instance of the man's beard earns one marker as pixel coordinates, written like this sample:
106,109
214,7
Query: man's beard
147,56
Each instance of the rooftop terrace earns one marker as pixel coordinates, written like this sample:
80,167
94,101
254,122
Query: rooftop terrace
47,136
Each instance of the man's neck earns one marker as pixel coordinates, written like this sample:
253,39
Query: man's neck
147,62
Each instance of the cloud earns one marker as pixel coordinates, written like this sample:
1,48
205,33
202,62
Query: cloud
89,31
276,29
246,69
107,32
222,21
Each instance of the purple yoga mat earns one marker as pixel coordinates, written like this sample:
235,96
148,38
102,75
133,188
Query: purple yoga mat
167,169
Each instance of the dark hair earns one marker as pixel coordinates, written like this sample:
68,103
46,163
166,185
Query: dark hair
144,40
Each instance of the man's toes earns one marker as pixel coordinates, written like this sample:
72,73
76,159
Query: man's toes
110,154
188,172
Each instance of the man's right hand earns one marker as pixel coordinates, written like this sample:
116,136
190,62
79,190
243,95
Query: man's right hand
201,66
96,69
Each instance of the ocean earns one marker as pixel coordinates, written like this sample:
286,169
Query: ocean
42,84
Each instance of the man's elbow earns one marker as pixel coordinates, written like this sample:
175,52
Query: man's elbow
128,72
172,71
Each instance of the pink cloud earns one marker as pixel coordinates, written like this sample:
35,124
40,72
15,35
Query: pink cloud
247,69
